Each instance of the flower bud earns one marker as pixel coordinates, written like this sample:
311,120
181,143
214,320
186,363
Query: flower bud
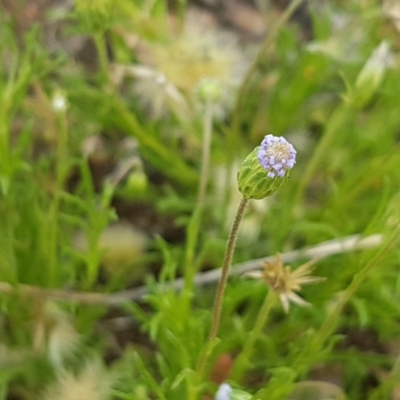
371,76
135,185
59,102
266,168
209,90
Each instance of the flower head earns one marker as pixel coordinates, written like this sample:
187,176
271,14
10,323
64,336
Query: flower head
286,282
224,392
156,93
63,339
196,54
189,58
92,382
276,156
209,89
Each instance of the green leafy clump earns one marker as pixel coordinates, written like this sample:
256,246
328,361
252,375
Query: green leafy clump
124,130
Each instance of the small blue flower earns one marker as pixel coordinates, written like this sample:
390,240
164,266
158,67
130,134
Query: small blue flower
266,168
224,392
276,155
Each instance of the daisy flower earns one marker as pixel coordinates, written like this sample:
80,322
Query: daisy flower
285,282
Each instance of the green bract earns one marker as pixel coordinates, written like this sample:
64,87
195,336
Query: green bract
253,181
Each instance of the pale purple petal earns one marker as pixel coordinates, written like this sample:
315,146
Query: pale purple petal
224,392
276,155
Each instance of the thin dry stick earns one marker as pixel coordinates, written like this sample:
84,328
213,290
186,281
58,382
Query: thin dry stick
58,295
322,250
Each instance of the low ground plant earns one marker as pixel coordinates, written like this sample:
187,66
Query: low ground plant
190,213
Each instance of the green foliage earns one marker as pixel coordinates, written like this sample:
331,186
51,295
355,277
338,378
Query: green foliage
334,97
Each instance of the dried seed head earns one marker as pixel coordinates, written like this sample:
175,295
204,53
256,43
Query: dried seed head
91,383
286,282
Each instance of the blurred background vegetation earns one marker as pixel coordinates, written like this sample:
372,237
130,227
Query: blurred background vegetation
122,126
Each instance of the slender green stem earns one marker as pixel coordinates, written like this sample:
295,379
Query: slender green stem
7,170
243,359
195,221
385,389
205,161
191,243
3,391
336,122
182,4
331,322
61,172
101,48
219,295
155,150
260,57
7,251
5,163
125,119
225,269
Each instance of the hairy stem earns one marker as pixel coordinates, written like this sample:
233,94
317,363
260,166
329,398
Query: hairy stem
219,295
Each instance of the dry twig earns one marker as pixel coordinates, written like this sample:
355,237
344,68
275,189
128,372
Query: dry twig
322,250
